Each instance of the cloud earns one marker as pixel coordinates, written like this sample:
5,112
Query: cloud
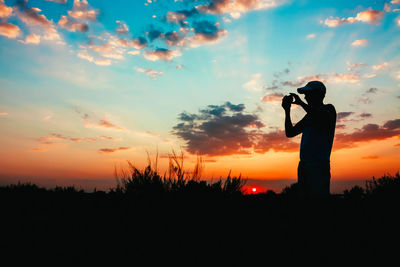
80,11
361,42
367,16
356,67
206,32
371,90
324,77
58,1
274,97
236,7
150,72
32,39
255,84
180,15
32,18
81,139
370,157
104,124
37,149
368,76
369,132
122,28
112,150
365,115
174,39
3,114
382,66
277,141
90,122
101,62
387,7
227,129
134,52
110,138
9,30
342,115
72,25
370,16
52,137
5,11
311,36
161,54
101,49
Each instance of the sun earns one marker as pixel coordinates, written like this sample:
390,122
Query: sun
254,189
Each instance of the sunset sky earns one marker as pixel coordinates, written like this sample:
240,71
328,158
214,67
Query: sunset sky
87,85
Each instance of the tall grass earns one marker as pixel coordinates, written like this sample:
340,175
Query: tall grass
177,179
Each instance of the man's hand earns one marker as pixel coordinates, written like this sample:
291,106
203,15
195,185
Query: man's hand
287,102
297,99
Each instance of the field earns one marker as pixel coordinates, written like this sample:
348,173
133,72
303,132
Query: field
149,220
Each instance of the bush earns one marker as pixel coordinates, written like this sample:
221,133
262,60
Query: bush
387,186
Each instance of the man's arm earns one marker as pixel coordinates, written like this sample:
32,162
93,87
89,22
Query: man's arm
290,130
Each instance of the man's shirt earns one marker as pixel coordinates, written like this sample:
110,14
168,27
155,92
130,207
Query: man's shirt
318,132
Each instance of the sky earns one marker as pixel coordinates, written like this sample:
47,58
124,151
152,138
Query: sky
87,85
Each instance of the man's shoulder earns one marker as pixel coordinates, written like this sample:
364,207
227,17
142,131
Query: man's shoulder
330,108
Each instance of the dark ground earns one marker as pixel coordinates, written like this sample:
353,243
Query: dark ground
66,227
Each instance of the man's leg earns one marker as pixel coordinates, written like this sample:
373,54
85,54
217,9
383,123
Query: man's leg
318,180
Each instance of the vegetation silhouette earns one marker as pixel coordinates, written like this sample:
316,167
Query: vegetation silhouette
178,219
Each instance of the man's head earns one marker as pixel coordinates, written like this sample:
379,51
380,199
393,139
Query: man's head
314,92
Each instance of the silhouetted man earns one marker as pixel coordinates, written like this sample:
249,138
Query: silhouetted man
318,129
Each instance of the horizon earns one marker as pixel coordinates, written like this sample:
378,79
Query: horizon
87,85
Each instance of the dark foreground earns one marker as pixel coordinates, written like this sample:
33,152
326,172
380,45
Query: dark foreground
66,227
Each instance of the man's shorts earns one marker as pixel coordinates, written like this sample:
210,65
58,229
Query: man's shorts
314,178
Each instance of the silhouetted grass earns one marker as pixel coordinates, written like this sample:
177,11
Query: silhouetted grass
178,219
149,183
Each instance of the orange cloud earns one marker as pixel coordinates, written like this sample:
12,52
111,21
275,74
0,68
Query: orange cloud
5,11
361,42
9,30
368,132
161,54
236,7
104,124
367,16
31,17
274,97
81,139
72,25
110,138
32,39
150,72
37,149
112,150
382,66
122,28
370,157
80,11
53,137
3,113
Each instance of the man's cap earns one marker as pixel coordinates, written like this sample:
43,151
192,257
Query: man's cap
313,87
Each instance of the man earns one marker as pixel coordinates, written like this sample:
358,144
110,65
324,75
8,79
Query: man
318,129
